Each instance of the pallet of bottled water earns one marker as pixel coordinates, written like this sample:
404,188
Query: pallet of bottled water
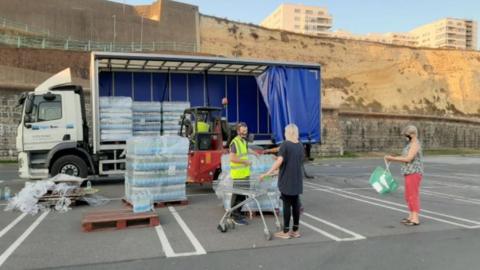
157,165
261,164
147,118
157,118
171,116
115,118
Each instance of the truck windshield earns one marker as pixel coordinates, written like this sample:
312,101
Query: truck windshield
46,110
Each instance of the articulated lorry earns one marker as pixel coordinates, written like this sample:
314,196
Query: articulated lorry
53,135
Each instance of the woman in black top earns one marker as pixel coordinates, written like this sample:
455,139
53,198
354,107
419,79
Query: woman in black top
290,180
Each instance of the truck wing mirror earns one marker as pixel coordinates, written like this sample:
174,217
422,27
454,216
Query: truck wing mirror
251,137
27,118
29,104
21,99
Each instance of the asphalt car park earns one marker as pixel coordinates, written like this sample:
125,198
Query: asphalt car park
340,208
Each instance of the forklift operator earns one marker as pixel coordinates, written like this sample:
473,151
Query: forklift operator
202,124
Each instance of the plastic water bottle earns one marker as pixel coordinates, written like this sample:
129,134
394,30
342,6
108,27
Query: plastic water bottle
89,185
7,193
135,202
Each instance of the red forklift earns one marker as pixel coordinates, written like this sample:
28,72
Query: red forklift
207,132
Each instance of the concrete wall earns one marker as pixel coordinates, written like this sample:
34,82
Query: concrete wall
94,20
373,132
32,66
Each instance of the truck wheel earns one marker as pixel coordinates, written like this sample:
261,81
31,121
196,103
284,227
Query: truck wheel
71,165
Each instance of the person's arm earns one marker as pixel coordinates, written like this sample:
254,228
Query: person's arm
250,151
236,159
410,155
271,151
274,167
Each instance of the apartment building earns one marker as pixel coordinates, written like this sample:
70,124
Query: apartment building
447,33
300,18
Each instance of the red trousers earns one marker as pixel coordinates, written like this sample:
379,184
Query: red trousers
412,191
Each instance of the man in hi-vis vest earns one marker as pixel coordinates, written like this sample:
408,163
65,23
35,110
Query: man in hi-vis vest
240,168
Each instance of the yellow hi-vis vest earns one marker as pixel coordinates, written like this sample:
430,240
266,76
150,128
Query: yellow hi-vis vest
240,170
202,127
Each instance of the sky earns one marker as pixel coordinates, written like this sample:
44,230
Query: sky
356,16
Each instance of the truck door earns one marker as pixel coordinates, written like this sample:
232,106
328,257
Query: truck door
44,123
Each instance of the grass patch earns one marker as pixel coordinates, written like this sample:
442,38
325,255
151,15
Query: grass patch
345,155
7,161
350,155
427,152
452,151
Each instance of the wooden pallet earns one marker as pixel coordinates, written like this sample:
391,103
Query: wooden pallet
160,204
117,219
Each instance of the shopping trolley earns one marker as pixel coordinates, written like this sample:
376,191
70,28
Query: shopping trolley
254,190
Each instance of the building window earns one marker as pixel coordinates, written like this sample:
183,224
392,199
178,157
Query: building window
297,10
297,19
297,26
308,11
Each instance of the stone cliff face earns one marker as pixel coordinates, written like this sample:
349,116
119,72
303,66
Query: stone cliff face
362,76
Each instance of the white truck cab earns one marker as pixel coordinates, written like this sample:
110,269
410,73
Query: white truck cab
52,136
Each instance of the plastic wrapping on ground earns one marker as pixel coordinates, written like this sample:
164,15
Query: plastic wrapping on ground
27,199
156,166
65,178
95,200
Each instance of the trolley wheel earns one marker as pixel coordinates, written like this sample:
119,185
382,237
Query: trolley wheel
222,228
268,235
230,224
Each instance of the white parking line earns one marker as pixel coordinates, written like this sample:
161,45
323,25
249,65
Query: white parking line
403,205
320,231
446,176
371,199
451,197
355,236
167,247
196,244
12,224
22,238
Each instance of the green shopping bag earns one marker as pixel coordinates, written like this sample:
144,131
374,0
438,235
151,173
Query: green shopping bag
382,180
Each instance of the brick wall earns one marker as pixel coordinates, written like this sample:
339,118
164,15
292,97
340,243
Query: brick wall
9,119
